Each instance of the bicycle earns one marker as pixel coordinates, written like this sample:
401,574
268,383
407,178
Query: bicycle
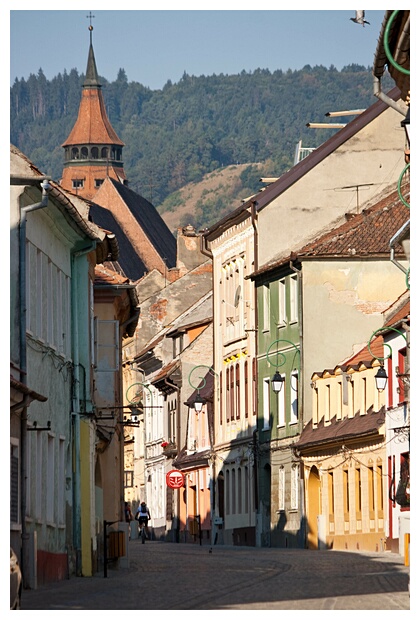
142,526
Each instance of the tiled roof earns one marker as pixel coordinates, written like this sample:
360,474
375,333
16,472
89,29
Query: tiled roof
365,234
103,275
166,371
24,389
151,223
92,125
402,313
364,355
130,262
340,430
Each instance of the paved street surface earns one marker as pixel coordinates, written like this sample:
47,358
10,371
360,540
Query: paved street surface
184,576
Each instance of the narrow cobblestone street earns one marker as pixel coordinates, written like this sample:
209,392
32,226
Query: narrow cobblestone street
187,577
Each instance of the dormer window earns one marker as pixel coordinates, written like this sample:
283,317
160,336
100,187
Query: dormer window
178,342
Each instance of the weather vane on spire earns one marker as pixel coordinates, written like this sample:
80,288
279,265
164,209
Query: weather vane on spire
89,17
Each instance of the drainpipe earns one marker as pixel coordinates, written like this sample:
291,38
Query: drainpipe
23,362
77,513
298,272
300,398
399,107
204,250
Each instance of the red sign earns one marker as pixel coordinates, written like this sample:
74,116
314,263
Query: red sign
175,479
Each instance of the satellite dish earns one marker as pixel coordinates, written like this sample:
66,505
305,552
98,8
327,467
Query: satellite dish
237,296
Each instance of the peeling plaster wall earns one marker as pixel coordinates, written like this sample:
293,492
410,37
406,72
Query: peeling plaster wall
343,302
166,304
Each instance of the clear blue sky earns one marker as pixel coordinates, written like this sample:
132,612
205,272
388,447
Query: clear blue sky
156,45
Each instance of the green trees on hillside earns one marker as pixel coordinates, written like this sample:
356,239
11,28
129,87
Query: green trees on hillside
178,134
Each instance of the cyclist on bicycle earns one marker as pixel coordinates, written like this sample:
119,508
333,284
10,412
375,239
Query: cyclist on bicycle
143,516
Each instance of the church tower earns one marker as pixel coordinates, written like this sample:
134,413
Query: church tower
93,151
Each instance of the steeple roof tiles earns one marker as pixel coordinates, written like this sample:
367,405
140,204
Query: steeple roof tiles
92,125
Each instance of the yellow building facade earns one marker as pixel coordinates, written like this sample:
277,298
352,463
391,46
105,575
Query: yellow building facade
343,454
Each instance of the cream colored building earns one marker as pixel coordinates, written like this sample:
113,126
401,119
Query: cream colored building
343,452
232,246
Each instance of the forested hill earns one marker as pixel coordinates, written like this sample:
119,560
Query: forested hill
176,135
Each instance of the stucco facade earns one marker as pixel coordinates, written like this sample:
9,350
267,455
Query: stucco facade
344,456
351,177
235,407
50,303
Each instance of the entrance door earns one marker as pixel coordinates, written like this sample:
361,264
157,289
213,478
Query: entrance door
314,507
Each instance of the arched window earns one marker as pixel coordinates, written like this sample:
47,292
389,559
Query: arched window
75,153
95,152
104,152
84,152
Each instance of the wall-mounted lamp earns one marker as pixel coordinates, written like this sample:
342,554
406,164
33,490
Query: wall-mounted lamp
380,379
277,380
199,401
381,376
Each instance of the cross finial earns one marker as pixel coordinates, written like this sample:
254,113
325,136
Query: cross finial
90,17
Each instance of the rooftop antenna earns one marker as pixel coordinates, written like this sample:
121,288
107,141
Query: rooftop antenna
356,187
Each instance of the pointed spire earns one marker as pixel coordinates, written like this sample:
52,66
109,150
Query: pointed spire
91,79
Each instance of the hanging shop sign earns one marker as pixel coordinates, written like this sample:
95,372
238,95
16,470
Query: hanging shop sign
175,479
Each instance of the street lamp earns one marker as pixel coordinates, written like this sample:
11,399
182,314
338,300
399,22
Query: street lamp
381,377
277,380
199,401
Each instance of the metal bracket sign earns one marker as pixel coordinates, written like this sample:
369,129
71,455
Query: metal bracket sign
175,479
